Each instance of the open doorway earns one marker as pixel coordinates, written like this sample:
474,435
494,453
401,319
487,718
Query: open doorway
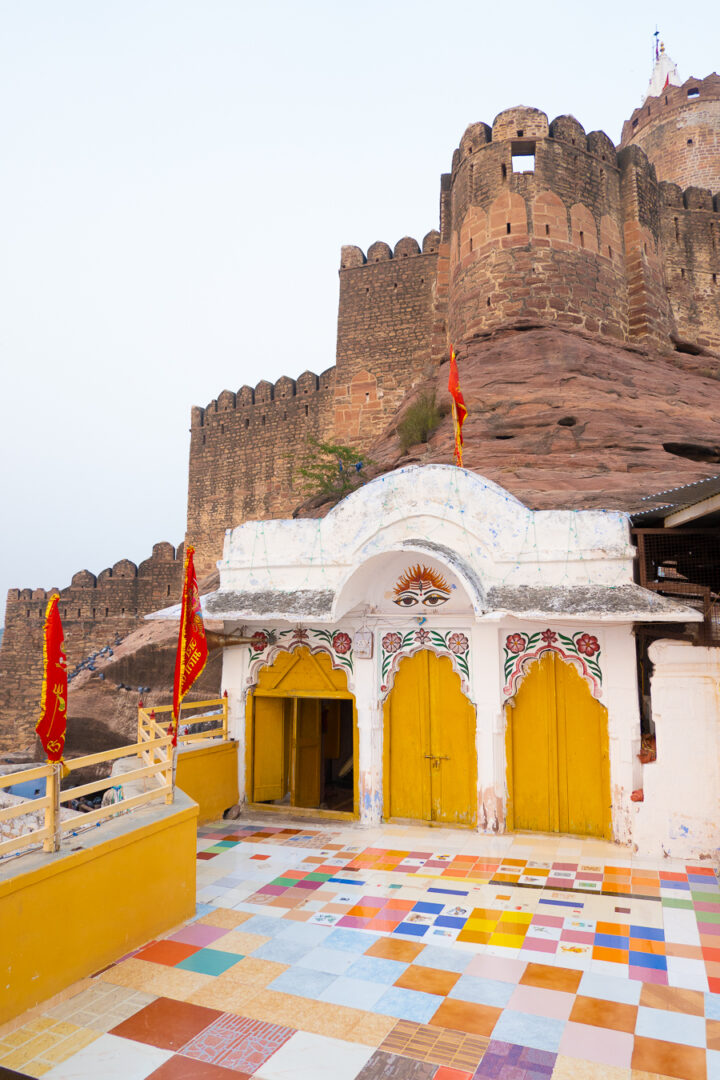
303,753
302,737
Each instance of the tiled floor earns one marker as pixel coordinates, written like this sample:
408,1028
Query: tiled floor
404,953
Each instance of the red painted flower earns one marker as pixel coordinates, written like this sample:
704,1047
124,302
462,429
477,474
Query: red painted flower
383,688
341,643
587,644
259,641
515,643
458,644
549,637
391,642
421,636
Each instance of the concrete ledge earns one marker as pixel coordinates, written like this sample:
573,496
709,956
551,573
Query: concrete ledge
208,773
66,915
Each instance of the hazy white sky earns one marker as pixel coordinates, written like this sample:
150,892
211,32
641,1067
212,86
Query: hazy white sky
176,179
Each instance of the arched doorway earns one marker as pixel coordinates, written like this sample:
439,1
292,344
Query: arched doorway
301,736
430,761
557,753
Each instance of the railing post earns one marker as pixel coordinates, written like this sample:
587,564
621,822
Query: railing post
52,812
225,715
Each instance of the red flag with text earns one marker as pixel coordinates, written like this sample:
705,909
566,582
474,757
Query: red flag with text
192,650
52,725
458,408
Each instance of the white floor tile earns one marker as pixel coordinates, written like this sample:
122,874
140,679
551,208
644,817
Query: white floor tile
111,1058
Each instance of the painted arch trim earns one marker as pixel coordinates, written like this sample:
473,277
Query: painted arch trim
522,649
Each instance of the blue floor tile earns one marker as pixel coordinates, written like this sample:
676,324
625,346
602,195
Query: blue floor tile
539,1032
712,1007
647,933
265,925
356,941
331,960
411,929
355,993
670,1026
428,909
283,952
306,933
302,981
610,988
408,1004
713,1065
376,969
435,956
647,960
482,991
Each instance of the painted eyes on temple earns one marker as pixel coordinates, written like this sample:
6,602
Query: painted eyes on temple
409,599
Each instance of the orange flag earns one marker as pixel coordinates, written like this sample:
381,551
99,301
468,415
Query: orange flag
52,724
459,410
192,650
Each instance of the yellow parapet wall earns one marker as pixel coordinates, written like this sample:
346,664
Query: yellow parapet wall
209,775
65,916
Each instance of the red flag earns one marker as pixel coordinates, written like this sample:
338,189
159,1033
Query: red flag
458,408
192,650
52,724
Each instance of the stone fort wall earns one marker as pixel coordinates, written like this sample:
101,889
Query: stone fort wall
95,612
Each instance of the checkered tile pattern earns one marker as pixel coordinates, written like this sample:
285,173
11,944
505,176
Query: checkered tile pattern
312,952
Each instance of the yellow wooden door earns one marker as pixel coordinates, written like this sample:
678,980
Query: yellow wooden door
453,762
430,759
407,741
557,749
307,752
268,749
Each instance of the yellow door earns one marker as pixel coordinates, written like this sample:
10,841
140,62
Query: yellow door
430,757
557,749
269,770
307,752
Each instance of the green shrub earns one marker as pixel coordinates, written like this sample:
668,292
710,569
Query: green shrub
330,468
420,421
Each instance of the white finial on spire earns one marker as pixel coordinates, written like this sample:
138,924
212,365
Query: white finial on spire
665,72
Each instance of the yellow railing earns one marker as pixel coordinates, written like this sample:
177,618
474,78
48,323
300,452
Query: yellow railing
156,757
153,722
154,751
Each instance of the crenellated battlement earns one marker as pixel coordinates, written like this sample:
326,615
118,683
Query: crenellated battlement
679,130
518,128
693,92
94,609
263,394
352,257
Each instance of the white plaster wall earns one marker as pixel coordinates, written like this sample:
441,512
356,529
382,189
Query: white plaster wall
680,814
501,539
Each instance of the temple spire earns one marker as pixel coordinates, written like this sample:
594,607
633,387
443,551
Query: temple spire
664,73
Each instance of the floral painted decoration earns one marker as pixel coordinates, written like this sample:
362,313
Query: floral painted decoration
336,642
395,645
580,649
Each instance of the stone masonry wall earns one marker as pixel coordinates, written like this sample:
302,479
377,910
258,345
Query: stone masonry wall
384,333
244,451
94,612
680,132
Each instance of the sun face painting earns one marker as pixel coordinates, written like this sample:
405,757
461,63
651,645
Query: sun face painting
421,584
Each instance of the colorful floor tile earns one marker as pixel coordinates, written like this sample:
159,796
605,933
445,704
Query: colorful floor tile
359,955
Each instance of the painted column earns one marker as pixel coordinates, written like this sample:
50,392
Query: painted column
620,697
234,675
369,714
486,689
680,815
